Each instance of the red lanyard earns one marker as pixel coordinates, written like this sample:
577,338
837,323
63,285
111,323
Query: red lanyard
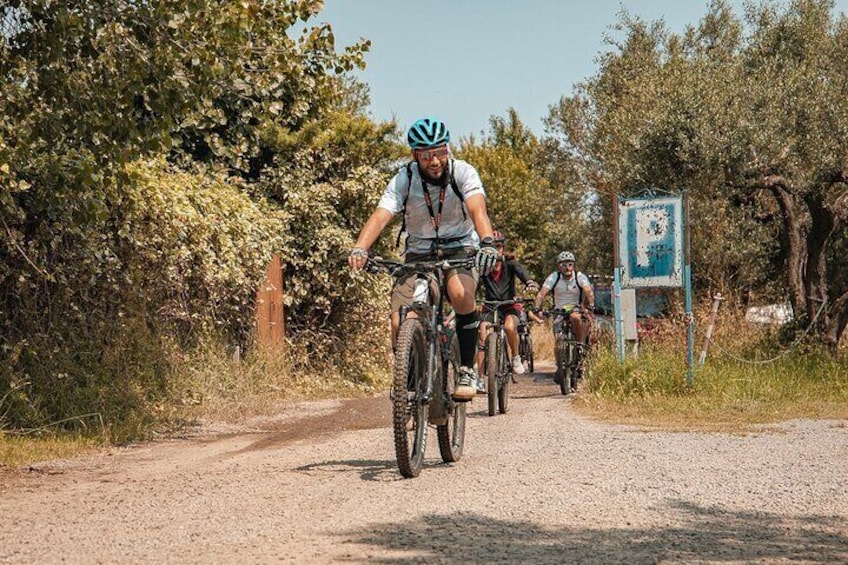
435,220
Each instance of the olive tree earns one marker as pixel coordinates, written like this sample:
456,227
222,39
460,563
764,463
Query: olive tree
750,120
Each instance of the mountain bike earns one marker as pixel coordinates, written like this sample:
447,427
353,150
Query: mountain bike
498,369
525,339
425,367
566,351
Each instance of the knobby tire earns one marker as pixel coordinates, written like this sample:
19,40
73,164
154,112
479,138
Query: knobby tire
409,413
452,433
564,363
504,378
493,347
574,366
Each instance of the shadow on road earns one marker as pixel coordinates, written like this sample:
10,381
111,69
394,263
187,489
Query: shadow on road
700,534
369,470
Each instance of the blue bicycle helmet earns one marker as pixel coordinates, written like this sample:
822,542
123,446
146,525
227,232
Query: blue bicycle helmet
426,133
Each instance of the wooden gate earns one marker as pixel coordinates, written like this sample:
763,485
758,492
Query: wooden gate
271,324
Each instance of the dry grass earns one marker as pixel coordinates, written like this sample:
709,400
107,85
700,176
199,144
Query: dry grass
19,451
211,385
651,391
218,388
749,380
543,340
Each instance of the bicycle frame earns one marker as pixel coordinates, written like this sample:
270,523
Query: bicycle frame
431,317
425,354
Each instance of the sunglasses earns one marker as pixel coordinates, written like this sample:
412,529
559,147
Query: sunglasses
428,154
566,264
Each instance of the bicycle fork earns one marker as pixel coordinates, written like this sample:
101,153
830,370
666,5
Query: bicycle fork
432,367
504,354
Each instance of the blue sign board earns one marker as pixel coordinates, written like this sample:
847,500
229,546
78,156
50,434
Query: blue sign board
650,242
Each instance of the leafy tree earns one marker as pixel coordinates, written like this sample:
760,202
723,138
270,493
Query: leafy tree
93,95
532,197
751,125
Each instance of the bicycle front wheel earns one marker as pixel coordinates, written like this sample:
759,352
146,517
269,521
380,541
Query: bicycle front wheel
452,432
522,346
563,364
492,356
409,411
576,362
504,379
568,368
529,353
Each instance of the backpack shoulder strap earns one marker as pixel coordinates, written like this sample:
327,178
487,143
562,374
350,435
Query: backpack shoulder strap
456,190
405,198
580,288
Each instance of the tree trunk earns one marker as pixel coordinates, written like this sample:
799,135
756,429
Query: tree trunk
797,249
811,227
839,320
816,275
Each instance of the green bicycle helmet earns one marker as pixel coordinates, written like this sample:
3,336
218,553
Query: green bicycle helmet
426,133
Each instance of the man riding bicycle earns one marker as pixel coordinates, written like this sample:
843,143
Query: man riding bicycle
499,285
573,295
443,205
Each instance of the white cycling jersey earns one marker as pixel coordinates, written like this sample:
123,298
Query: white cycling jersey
567,291
418,225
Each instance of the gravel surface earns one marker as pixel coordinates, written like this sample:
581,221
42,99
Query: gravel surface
540,484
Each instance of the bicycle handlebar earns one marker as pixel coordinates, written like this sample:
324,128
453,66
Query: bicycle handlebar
398,269
492,304
562,311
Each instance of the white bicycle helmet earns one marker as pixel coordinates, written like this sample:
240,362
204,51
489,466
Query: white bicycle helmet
565,256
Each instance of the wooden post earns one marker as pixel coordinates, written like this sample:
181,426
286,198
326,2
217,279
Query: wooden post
269,306
709,337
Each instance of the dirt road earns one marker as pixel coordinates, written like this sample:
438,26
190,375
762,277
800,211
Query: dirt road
538,485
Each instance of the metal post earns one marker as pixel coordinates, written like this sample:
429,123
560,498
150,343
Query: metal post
618,324
619,316
687,276
708,339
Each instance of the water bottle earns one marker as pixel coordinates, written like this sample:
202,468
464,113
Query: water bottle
421,293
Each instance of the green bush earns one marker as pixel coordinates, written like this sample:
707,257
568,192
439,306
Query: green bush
122,275
178,257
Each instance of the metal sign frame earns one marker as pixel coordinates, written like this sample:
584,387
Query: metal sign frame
651,248
650,231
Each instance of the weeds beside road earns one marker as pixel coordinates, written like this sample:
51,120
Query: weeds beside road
650,390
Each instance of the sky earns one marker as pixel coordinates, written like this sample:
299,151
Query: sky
463,61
